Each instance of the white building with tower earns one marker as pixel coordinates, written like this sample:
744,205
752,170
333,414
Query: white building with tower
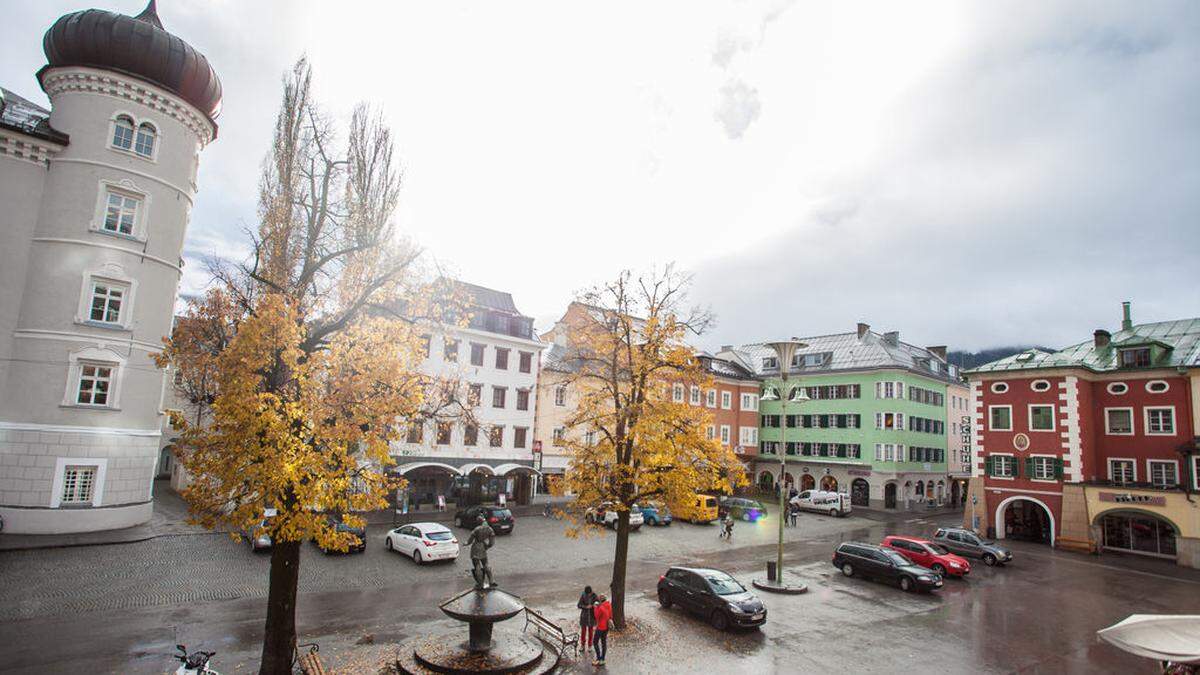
97,194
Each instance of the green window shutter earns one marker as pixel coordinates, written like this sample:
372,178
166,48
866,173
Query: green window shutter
987,466
1028,467
1058,468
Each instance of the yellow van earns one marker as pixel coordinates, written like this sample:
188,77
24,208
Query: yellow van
696,509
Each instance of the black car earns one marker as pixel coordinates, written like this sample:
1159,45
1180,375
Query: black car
499,517
712,594
884,564
355,546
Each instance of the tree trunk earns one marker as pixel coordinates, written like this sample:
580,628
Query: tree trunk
618,578
279,636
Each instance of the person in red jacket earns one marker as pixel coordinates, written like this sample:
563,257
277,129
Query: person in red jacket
603,617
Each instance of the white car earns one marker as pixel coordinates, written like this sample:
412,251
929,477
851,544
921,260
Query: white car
834,503
423,542
606,514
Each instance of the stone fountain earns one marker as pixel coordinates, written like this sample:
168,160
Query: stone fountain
480,608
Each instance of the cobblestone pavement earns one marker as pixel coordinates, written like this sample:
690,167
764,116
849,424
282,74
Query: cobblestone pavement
188,568
122,608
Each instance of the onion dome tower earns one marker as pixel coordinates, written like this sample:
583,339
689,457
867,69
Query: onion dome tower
97,268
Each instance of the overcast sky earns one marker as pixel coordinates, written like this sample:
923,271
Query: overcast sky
968,174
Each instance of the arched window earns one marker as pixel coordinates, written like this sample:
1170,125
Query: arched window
123,133
146,136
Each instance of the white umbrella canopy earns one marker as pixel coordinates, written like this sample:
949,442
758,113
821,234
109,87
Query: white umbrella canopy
1163,637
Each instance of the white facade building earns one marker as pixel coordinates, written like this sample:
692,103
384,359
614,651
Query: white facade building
496,357
97,194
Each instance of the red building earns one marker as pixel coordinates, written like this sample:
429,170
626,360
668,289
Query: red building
1094,446
733,400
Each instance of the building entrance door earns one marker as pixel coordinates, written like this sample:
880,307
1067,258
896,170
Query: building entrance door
1027,520
889,496
807,482
860,492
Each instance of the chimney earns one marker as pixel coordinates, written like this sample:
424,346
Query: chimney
938,351
863,329
1127,320
892,337
1102,337
726,348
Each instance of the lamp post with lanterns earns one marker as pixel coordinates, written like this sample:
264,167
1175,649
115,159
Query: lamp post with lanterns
785,350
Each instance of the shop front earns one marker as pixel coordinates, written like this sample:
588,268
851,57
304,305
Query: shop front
1154,523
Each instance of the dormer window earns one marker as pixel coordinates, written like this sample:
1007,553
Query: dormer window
1135,358
123,133
770,362
146,137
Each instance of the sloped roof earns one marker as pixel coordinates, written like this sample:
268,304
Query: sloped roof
846,351
1180,340
488,298
20,114
721,367
558,359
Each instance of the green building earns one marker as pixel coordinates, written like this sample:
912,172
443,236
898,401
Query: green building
875,425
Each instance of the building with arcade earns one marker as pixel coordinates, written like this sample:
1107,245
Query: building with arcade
1094,446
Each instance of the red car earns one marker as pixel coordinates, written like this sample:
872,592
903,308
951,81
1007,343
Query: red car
928,554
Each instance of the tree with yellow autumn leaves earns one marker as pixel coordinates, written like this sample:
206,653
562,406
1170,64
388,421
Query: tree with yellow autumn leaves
301,362
632,442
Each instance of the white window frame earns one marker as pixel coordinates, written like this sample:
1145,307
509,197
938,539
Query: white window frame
726,400
725,434
1108,427
1166,386
1012,458
1051,479
1035,385
710,398
1150,470
1111,385
126,188
112,274
1010,418
749,402
99,357
677,392
1130,461
748,436
560,395
60,471
557,436
137,124
694,395
999,387
1146,420
710,432
1053,416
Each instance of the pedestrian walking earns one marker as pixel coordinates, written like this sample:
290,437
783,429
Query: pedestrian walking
727,527
603,614
587,618
794,514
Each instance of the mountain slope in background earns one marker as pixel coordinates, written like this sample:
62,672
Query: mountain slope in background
969,360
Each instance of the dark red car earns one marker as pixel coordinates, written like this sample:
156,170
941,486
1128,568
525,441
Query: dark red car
928,554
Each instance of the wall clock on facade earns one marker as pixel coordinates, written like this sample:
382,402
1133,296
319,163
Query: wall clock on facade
1021,442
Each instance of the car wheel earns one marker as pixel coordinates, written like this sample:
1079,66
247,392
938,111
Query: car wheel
833,513
719,620
906,584
848,569
939,569
388,544
417,558
664,599
989,559
746,517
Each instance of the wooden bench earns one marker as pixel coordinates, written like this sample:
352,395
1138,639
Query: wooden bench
310,661
553,631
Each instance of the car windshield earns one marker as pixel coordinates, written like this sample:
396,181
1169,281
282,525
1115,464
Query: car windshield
710,502
439,535
723,584
894,557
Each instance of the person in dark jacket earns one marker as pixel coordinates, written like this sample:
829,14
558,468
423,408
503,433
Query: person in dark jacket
587,618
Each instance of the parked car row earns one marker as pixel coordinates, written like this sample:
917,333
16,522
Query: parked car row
915,563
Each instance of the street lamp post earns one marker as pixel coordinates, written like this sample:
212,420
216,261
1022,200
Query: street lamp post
784,351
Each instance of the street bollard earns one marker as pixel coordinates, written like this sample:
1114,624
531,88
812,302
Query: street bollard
772,570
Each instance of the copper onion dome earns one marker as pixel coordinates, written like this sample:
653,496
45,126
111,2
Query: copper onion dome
136,46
